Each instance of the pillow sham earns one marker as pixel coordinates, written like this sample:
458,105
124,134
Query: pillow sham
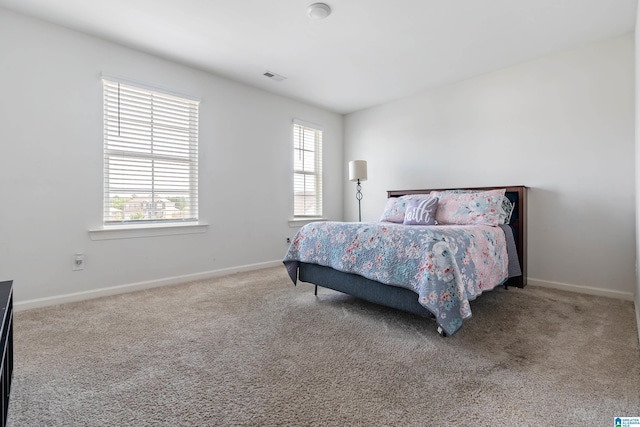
507,210
396,207
394,210
506,204
479,208
421,211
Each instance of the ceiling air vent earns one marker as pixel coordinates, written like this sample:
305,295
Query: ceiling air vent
274,76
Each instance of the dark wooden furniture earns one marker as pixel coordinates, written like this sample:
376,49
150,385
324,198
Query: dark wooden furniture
6,345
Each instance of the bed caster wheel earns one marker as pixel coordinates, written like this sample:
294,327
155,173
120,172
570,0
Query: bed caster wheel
442,333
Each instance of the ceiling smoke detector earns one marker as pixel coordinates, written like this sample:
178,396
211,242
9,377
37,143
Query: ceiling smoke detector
319,11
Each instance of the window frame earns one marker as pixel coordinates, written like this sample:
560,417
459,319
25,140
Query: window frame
188,163
317,173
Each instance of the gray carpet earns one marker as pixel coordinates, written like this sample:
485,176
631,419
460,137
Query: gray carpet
252,349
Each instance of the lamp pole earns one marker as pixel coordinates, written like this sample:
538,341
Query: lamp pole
359,197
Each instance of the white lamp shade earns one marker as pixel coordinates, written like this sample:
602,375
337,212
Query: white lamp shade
358,170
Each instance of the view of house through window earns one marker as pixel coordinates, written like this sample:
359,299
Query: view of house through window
307,170
150,155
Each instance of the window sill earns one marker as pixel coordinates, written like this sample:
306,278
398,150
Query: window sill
147,230
304,221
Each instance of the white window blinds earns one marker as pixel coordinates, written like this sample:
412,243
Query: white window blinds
150,156
307,170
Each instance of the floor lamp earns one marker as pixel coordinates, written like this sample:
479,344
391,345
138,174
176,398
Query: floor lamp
358,172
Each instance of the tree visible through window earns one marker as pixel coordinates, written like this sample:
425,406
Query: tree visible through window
307,170
150,155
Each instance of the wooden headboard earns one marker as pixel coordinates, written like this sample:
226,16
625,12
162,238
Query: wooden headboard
518,195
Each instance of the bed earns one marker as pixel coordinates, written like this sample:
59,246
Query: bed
429,270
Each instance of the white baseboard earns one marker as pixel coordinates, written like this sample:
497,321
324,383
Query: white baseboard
628,296
121,289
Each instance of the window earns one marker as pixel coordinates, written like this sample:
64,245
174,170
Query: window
150,156
307,170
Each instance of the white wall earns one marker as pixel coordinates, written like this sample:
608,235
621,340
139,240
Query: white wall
562,125
637,157
51,166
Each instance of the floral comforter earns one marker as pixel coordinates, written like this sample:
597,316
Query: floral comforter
447,266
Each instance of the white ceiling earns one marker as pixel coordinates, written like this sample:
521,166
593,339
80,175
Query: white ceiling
366,53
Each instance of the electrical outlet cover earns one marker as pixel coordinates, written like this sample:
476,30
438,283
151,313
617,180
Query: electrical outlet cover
78,262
